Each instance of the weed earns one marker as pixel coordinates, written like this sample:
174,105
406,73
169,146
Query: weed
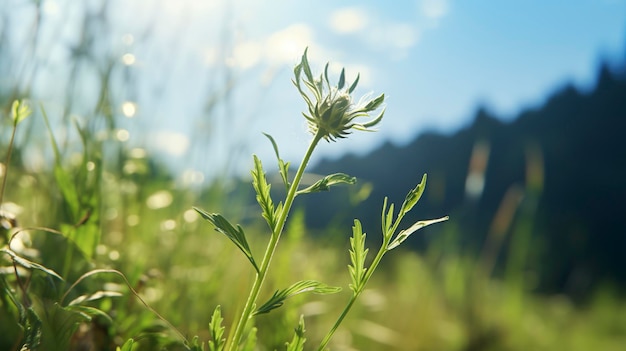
332,114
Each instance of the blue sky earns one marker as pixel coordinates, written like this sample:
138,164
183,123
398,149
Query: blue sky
436,60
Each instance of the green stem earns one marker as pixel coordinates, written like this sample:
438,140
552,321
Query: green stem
355,296
271,247
6,165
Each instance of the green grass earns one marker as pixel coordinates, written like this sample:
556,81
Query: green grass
108,252
433,301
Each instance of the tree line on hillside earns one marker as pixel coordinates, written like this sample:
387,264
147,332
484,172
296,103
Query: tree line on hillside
557,173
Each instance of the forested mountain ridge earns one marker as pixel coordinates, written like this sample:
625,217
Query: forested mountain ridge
560,168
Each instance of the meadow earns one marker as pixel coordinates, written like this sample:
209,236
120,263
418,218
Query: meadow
103,249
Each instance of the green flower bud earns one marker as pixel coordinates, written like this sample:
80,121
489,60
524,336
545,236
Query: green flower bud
332,113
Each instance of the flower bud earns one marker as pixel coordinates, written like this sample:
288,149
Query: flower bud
332,111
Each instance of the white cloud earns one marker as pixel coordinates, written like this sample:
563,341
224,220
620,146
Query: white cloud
402,36
172,143
394,38
287,45
348,20
248,54
434,9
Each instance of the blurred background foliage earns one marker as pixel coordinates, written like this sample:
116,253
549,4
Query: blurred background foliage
532,257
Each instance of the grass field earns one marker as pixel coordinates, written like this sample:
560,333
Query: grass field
105,249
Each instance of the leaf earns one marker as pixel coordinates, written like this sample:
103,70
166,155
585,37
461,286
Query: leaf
280,296
128,345
263,196
342,79
29,264
297,343
306,67
196,345
358,254
237,236
354,84
403,235
32,326
91,311
413,197
63,180
283,168
387,220
217,331
19,111
94,296
58,325
325,183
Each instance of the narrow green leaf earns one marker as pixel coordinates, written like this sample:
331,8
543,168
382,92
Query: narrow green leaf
237,236
306,67
403,235
342,79
326,77
263,196
62,178
300,287
354,84
217,331
375,121
325,183
29,264
283,168
94,296
297,343
91,312
358,254
387,220
128,345
413,197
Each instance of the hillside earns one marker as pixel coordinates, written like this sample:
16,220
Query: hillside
559,170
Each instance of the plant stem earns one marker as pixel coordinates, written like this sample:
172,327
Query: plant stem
357,293
6,165
271,247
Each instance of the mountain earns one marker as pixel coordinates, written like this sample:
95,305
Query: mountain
558,172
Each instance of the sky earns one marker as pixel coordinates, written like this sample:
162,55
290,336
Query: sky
209,77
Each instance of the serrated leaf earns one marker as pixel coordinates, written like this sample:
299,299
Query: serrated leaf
300,287
29,264
283,168
403,235
196,344
58,325
358,254
237,236
297,343
413,197
325,183
263,196
217,331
